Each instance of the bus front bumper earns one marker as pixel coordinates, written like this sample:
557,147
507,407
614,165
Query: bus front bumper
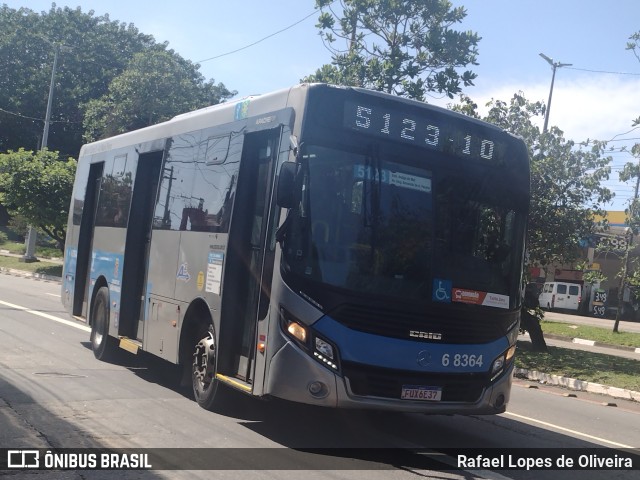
295,376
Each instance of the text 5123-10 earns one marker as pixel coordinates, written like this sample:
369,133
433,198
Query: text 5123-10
397,125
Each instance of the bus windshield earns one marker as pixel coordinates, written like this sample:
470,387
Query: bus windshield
373,224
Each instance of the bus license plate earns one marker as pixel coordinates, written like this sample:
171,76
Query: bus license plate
420,392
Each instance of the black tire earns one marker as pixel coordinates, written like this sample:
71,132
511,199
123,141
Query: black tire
203,368
102,344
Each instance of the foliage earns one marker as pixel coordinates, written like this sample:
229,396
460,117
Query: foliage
37,186
629,275
155,86
590,276
566,180
406,47
93,50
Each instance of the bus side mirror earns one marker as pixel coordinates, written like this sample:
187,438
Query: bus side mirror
285,191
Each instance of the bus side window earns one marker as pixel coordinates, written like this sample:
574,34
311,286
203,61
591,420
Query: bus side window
176,185
196,189
115,193
215,185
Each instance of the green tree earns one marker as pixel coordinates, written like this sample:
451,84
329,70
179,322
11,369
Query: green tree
629,274
37,186
567,189
155,86
406,47
567,178
93,50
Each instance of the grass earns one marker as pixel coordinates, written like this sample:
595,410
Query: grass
42,267
587,332
587,366
19,249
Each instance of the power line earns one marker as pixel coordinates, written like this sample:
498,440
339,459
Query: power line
15,114
602,71
20,115
259,41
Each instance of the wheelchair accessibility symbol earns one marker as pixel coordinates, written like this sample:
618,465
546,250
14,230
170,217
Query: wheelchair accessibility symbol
441,290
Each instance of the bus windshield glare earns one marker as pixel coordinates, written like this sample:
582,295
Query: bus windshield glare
373,224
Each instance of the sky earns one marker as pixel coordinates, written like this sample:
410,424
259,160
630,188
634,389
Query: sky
596,98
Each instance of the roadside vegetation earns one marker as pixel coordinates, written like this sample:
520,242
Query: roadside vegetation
588,332
9,244
587,366
583,365
42,267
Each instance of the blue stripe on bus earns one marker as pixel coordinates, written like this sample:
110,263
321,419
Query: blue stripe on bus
385,352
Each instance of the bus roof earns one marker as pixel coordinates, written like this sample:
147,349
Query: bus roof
221,113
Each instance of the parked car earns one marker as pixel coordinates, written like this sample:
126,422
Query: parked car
560,296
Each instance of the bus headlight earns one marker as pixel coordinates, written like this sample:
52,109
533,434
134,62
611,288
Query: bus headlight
297,331
319,348
324,352
502,361
498,363
294,328
324,348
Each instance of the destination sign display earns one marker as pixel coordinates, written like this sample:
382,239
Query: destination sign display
427,129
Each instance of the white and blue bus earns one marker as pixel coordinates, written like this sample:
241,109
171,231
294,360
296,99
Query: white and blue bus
326,245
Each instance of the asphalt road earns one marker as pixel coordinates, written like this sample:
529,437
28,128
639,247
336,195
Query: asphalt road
55,394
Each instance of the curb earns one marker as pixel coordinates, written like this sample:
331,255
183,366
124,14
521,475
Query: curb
578,385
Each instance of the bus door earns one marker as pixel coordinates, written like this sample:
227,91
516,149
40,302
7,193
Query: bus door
249,266
85,239
136,250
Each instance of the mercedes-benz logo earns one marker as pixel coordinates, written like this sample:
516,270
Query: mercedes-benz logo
424,358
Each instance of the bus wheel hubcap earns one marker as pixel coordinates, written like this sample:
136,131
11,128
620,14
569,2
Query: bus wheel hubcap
203,360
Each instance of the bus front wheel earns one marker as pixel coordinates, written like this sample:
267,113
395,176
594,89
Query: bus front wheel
203,370
102,344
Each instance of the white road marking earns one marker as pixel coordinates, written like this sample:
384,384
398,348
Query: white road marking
568,430
53,294
47,316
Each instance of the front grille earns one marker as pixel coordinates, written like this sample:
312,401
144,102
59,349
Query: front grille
471,327
387,383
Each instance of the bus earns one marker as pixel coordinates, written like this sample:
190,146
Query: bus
327,245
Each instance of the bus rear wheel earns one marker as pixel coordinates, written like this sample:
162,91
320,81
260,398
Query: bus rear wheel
203,371
102,344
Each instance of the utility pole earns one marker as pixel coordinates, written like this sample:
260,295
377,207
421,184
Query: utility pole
627,249
554,66
32,234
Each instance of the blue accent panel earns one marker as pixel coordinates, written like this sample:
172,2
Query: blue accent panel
109,265
70,265
407,354
70,260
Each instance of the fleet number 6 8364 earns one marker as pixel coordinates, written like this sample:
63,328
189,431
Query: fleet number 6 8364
462,360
